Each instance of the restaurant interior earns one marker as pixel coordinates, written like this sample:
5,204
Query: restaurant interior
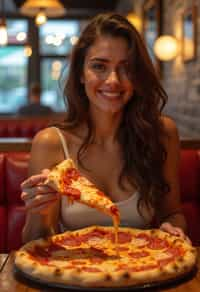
36,38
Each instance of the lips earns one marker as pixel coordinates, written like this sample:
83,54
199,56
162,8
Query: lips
110,94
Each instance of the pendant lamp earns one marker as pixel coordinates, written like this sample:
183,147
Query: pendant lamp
43,9
166,48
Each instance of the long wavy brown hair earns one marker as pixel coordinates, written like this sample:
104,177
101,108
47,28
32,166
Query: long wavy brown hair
141,131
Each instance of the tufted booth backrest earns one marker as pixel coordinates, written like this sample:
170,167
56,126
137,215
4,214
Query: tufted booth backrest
13,170
190,191
3,210
21,127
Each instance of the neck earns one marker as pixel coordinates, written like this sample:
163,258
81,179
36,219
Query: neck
105,128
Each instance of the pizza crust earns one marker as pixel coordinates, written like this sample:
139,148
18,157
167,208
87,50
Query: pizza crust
80,269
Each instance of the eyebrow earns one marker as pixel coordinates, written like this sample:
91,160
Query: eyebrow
105,60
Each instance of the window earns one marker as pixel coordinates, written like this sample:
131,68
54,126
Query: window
56,41
52,70
56,37
13,68
17,31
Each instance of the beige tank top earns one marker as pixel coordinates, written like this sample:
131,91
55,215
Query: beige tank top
77,215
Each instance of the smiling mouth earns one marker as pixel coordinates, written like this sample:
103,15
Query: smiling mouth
110,95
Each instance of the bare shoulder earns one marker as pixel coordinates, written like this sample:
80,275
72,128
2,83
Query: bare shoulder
171,131
46,150
47,137
169,125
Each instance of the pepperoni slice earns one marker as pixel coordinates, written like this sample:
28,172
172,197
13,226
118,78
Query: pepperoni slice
77,262
122,248
166,261
176,251
70,241
157,243
43,261
96,252
40,251
66,180
37,258
53,247
138,254
72,173
123,237
96,233
101,194
143,236
143,268
114,210
96,260
72,192
41,255
68,176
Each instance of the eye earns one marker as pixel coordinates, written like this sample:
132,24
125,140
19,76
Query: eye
125,70
99,67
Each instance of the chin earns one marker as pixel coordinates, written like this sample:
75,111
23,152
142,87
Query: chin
113,110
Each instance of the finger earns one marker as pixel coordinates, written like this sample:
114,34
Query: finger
29,193
33,180
43,189
45,171
188,240
42,208
178,231
32,195
168,227
38,201
165,226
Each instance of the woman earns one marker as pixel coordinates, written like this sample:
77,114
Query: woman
115,132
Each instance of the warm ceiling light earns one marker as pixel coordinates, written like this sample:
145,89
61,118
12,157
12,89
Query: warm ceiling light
3,28
40,17
27,51
135,20
21,36
3,32
166,48
51,8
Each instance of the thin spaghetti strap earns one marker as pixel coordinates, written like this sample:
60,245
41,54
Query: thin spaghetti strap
63,141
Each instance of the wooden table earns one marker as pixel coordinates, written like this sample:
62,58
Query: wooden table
10,283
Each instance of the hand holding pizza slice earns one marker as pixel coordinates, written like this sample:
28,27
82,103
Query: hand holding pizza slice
66,179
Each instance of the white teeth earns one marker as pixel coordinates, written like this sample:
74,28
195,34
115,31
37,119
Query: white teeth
111,93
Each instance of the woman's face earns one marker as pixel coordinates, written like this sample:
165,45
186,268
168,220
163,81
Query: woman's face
106,74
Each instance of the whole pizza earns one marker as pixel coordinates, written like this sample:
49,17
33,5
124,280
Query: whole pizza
90,257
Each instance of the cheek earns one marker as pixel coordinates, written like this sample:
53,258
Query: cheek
130,88
90,81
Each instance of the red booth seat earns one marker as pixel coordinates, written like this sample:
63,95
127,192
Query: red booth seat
13,170
26,127
21,128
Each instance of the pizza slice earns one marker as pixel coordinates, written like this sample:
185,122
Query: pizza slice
66,179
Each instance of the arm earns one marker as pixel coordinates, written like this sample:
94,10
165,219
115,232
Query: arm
170,210
42,204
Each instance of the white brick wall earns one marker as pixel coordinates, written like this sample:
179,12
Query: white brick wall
180,80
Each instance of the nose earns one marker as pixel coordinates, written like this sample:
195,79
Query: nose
112,78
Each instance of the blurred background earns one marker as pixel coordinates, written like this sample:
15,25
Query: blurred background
36,38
